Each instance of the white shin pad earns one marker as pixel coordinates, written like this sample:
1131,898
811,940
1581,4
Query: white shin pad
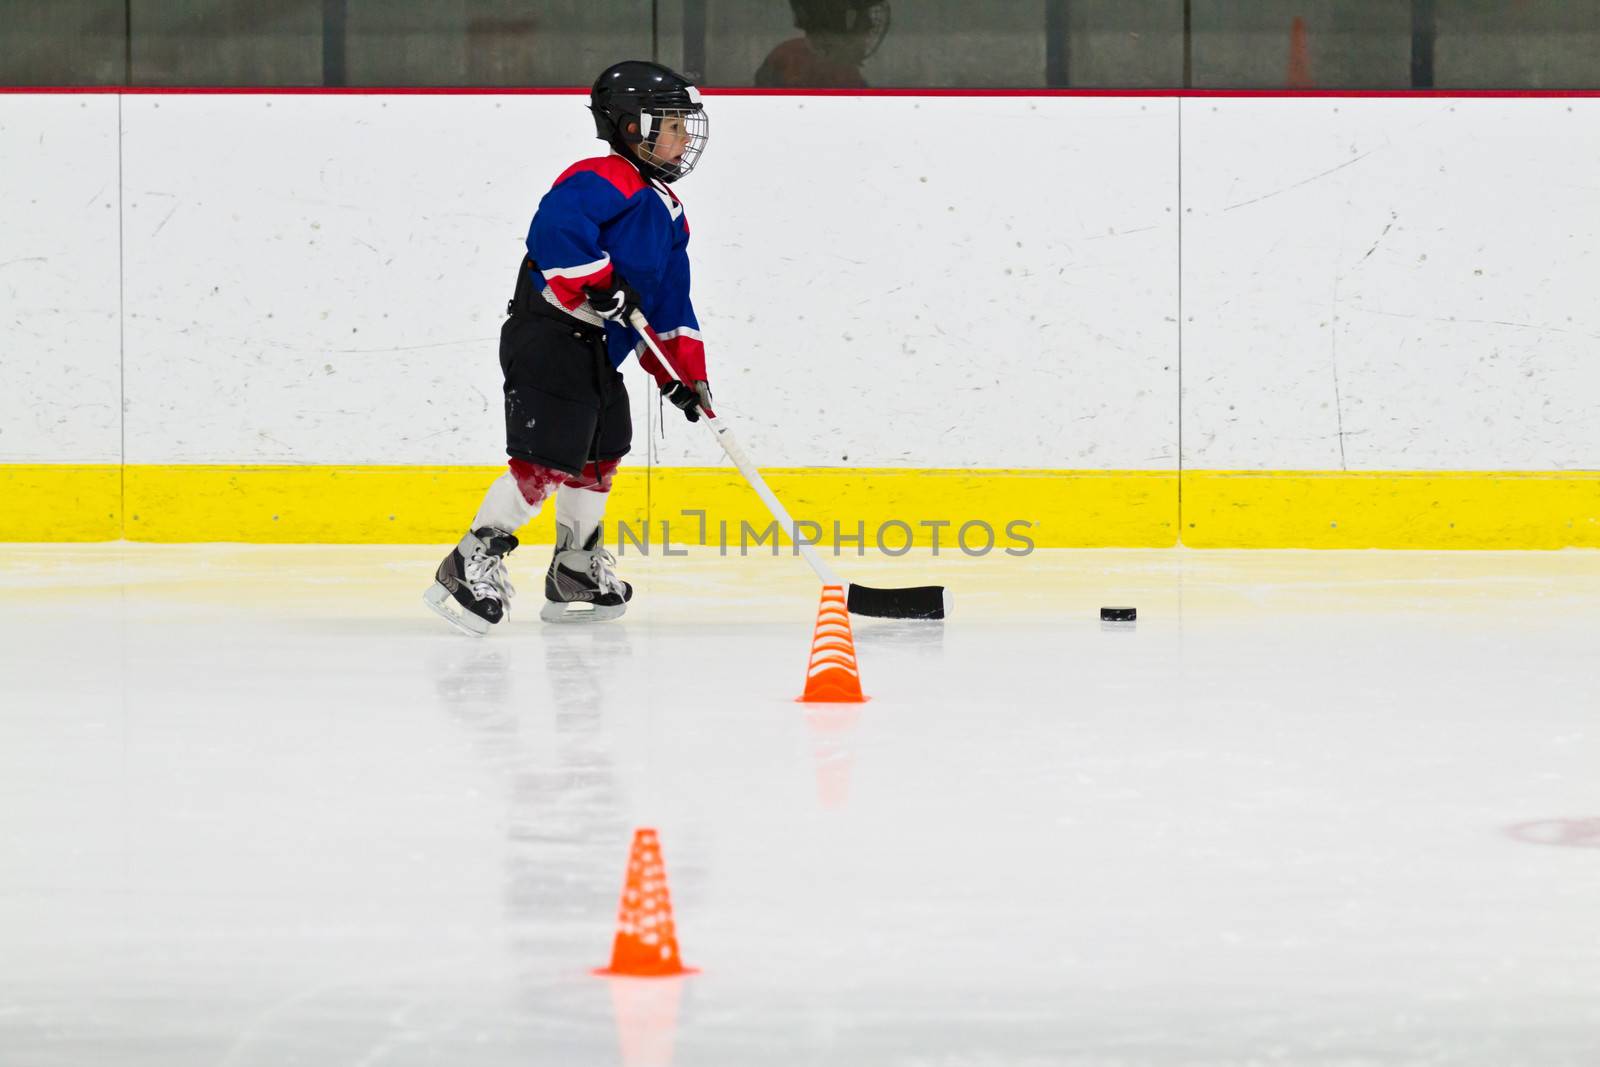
504,507
581,509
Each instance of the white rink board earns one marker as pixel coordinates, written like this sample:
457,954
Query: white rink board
322,279
60,371
952,282
1438,258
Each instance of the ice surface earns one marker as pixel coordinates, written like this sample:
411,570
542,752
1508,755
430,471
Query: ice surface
258,806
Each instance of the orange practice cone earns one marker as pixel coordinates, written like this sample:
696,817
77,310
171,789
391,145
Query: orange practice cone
646,944
1299,56
832,677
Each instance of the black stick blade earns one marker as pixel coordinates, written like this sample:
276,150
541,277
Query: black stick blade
916,602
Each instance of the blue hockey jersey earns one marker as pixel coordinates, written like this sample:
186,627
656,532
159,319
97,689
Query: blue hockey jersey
601,215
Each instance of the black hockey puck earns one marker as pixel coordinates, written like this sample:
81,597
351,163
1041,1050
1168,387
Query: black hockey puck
1118,614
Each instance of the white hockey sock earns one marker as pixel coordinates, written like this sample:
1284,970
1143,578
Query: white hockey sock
581,509
504,507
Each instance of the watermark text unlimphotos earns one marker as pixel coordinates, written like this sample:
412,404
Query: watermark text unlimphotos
895,537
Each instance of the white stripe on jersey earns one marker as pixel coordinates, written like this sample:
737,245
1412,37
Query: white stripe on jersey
583,270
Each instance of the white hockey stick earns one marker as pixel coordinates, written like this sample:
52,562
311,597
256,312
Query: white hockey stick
918,602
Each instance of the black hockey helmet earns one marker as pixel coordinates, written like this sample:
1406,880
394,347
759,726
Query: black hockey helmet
635,102
864,19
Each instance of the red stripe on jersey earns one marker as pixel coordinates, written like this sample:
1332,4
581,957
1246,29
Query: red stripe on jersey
570,290
614,169
686,354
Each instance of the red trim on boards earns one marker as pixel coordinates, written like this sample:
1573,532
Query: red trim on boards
285,90
1244,94
1335,94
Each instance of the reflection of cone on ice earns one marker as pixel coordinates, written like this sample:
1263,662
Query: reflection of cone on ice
830,746
832,677
646,944
647,1021
1299,56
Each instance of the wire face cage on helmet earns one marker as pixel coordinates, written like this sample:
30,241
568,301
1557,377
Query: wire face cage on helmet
673,139
876,25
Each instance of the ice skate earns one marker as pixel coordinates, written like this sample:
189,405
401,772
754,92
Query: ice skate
580,586
471,589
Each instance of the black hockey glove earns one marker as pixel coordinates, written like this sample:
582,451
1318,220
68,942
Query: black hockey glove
615,301
688,400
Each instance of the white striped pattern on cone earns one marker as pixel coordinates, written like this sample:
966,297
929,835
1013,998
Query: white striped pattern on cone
833,674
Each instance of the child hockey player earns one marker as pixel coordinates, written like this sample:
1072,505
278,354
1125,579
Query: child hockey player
608,239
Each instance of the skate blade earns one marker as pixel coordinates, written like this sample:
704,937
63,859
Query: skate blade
444,605
560,612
